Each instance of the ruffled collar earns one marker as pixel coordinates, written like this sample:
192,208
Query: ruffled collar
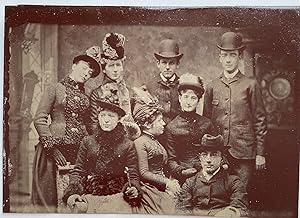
111,137
68,81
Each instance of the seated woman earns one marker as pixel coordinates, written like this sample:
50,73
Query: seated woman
99,168
158,190
187,129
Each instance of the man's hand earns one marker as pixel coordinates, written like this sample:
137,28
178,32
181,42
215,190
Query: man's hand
189,172
260,162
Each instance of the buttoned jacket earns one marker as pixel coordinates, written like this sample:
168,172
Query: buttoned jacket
167,96
237,111
221,191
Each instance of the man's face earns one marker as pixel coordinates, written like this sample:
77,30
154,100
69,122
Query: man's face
167,66
81,71
158,125
230,60
108,120
188,100
210,161
114,69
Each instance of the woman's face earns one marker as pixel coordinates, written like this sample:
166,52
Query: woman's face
81,71
158,125
188,100
114,69
108,120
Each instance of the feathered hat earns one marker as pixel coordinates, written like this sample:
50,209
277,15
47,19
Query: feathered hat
144,105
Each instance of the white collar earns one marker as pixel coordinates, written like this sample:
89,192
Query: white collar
172,79
230,75
209,176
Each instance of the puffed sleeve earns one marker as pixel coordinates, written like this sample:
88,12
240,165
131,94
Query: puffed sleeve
146,175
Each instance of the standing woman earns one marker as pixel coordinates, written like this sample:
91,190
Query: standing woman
112,63
67,105
159,191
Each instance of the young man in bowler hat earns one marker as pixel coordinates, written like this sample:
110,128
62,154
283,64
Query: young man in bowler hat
234,104
164,86
212,191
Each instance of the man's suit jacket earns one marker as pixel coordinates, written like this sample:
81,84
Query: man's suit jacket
237,111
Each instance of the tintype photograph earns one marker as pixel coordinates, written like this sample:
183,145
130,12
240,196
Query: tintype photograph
151,110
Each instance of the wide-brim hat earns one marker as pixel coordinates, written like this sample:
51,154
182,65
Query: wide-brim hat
231,41
91,61
168,48
212,143
109,99
111,107
190,81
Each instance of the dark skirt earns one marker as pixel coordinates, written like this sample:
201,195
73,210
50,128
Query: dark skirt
44,190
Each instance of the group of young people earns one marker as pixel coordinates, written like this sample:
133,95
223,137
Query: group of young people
146,149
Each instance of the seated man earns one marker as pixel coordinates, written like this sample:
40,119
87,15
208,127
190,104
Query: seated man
212,191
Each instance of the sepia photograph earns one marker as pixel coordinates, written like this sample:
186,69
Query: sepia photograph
184,111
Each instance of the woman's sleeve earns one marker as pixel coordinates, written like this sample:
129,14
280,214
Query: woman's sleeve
173,165
75,186
93,112
157,180
41,117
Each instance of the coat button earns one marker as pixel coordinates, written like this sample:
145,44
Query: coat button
74,114
226,113
76,98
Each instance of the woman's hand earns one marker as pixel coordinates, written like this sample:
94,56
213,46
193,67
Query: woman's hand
132,195
173,187
71,202
59,157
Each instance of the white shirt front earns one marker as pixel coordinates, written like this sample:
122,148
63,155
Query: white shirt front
230,75
172,79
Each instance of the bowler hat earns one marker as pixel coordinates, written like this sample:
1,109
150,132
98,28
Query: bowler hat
190,81
109,99
231,41
91,61
168,48
210,142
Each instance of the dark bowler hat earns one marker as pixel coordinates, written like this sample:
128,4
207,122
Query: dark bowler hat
210,142
109,99
231,41
91,61
168,48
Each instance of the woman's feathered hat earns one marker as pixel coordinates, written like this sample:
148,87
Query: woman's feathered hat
113,47
109,99
144,105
